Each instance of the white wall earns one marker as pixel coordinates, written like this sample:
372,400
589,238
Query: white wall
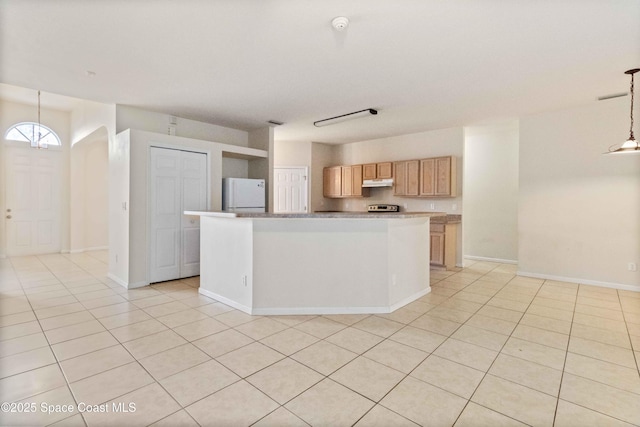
135,118
292,153
490,202
90,192
444,142
12,113
128,184
578,215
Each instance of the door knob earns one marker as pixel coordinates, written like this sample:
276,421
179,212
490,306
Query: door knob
8,216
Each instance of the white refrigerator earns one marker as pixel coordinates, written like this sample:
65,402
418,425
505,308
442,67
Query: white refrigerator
243,195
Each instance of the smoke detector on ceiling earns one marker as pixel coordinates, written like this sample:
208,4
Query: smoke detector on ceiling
340,23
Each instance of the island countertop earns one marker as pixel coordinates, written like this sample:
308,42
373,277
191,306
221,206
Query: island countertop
320,215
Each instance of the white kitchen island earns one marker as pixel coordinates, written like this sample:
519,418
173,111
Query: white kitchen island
323,263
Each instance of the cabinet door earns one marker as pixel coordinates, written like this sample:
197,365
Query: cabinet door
347,182
332,181
384,170
444,178
427,177
437,249
412,177
369,171
399,184
356,180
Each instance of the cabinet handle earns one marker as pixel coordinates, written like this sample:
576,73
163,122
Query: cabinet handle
8,216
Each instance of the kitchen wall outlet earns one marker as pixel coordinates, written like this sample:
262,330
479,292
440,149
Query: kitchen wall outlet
432,206
405,206
244,280
632,266
454,207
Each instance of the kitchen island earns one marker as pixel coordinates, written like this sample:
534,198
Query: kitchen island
321,263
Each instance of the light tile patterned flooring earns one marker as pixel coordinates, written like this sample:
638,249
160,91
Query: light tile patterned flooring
484,348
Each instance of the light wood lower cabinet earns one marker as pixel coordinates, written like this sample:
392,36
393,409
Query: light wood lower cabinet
443,245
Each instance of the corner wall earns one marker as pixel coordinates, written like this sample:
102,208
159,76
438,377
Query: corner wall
490,219
578,209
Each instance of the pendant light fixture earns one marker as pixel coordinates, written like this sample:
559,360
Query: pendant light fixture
36,142
630,146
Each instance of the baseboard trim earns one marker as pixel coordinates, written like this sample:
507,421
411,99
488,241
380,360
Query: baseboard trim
124,284
96,248
226,301
409,299
580,281
483,258
284,311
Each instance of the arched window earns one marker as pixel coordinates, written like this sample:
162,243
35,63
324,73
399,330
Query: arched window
33,133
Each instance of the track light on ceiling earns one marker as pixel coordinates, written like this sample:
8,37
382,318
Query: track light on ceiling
344,117
630,146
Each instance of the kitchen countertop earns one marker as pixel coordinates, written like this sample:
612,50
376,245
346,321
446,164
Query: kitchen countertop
321,215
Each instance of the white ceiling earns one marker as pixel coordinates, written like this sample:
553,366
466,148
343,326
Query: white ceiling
425,64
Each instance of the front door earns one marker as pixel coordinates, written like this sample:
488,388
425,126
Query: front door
290,192
33,185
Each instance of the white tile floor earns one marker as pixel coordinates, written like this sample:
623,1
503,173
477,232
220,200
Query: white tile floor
485,348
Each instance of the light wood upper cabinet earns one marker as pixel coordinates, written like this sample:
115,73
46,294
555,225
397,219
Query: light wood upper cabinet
384,170
370,171
356,182
407,180
438,177
332,181
343,181
347,182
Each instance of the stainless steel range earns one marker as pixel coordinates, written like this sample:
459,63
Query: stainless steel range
383,208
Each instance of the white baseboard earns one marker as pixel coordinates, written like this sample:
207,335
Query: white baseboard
95,248
124,284
409,299
284,311
225,300
580,281
483,258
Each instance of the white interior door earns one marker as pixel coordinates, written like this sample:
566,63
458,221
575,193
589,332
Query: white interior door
194,198
290,192
178,183
33,200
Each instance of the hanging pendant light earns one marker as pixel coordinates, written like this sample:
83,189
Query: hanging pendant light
630,146
37,135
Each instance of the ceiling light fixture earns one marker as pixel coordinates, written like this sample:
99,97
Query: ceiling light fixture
36,141
344,117
630,146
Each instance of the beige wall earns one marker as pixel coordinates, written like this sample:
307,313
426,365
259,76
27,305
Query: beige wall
322,155
292,153
135,118
490,202
578,215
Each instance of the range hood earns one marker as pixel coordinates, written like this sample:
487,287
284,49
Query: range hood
378,182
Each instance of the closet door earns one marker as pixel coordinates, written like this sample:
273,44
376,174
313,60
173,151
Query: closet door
178,183
194,198
165,215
